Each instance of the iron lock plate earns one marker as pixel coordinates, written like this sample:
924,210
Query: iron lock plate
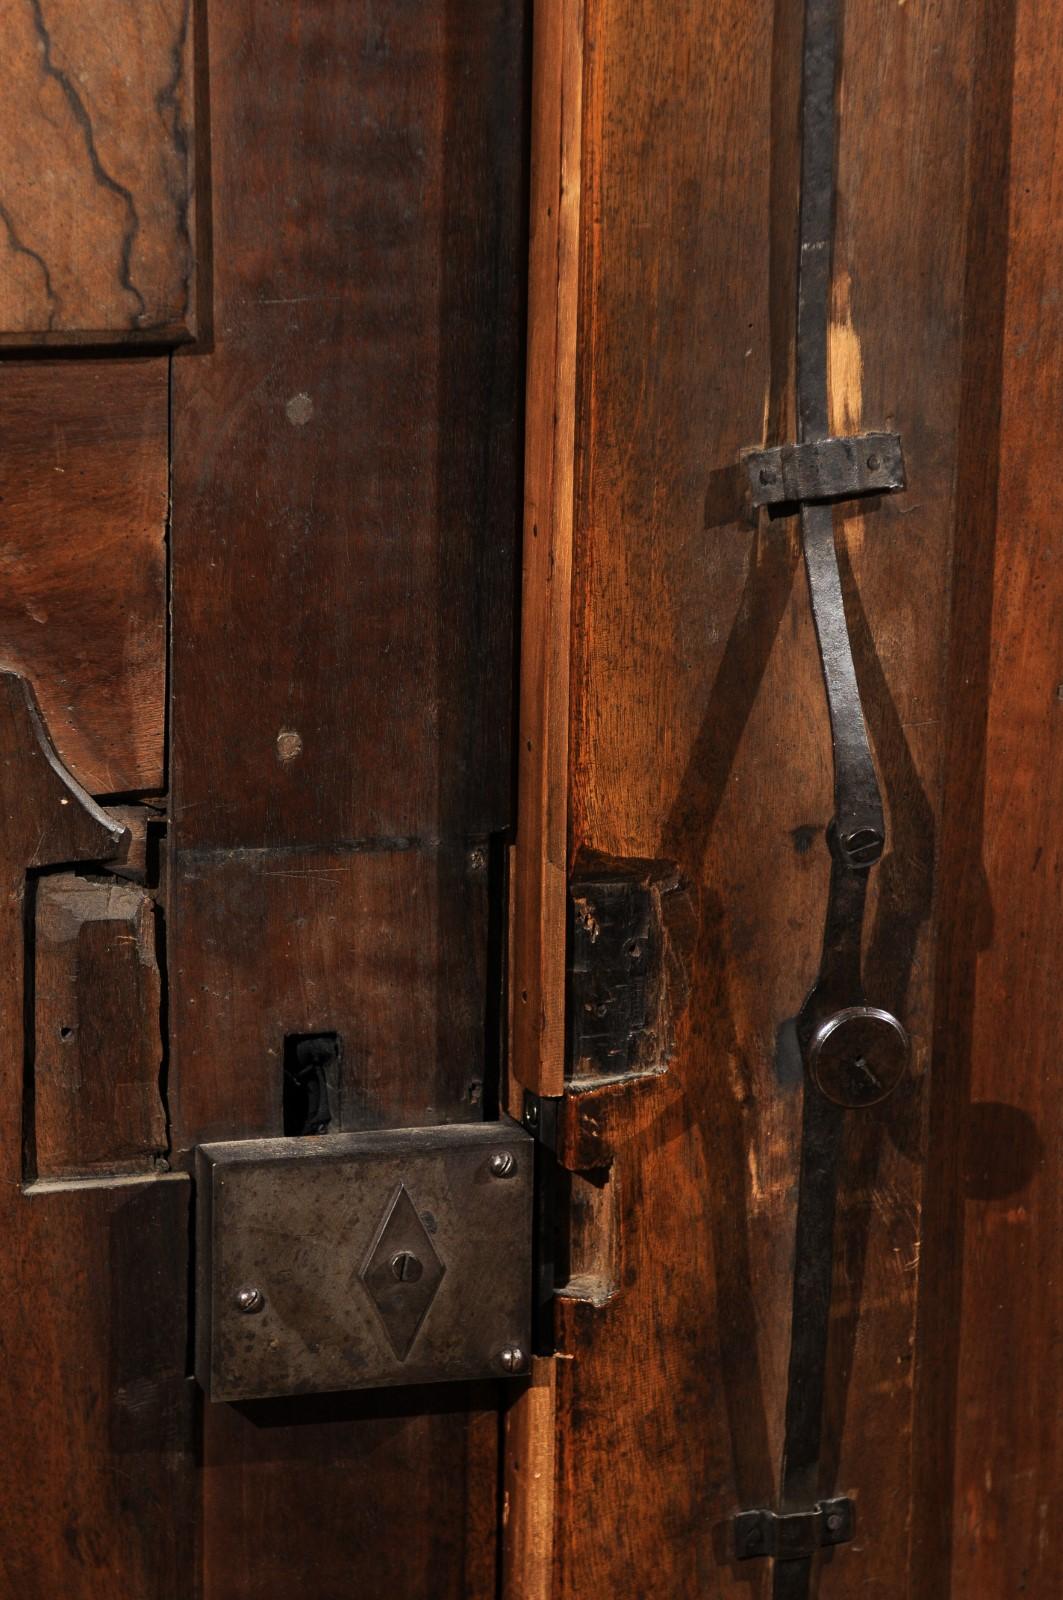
360,1260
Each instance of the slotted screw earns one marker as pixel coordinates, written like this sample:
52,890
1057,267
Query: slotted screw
512,1358
502,1163
406,1267
250,1299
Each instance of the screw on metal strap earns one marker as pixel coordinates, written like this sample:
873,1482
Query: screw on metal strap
825,469
793,1535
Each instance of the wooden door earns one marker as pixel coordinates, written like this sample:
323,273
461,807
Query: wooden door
305,731
675,788
260,435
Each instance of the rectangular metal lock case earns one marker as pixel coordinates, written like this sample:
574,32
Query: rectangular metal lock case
357,1260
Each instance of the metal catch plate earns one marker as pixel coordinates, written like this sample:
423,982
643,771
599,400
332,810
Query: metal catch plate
353,1261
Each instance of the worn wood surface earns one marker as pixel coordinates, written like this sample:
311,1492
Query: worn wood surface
529,1487
392,1493
991,1346
896,354
346,480
97,1041
387,950
145,825
540,908
699,736
46,819
346,504
83,507
96,172
95,1408
655,1384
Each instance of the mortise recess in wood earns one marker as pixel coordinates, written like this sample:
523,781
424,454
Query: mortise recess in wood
95,1407
97,1042
83,508
96,172
630,942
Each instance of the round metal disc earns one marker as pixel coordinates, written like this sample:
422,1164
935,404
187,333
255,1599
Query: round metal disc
858,1056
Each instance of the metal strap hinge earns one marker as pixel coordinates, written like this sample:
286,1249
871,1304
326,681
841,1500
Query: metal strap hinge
793,1535
825,469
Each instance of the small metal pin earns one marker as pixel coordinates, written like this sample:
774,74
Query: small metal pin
512,1358
502,1163
250,1299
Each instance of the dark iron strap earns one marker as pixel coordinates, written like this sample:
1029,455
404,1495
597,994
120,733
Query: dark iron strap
854,1053
825,469
791,1537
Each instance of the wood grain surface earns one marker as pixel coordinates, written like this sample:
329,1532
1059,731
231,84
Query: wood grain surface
669,1394
540,905
96,172
530,1481
95,1408
699,737
97,1039
386,950
346,480
346,506
83,510
991,1314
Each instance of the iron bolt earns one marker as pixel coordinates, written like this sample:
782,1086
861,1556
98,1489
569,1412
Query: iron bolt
502,1163
512,1358
406,1267
250,1299
834,1521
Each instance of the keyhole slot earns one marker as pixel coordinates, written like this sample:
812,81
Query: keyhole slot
311,1082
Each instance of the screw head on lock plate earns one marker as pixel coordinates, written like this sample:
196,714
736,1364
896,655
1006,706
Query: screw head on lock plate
858,1056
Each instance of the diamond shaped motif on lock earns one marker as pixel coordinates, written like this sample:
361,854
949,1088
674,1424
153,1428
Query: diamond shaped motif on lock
402,1272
